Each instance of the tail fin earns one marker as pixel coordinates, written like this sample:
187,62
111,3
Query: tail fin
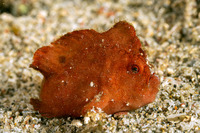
36,103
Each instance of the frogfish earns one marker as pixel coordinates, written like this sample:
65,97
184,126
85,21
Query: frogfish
85,70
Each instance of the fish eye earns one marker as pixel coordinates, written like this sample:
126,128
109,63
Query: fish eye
133,69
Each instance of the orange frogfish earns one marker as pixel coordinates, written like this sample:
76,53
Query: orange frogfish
86,70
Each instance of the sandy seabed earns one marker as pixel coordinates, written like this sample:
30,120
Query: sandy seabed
169,30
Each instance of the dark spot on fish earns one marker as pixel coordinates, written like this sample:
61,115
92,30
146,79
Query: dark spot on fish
62,59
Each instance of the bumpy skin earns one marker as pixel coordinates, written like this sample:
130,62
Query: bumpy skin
85,69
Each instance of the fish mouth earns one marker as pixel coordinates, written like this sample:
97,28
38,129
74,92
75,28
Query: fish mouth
154,83
152,76
152,88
